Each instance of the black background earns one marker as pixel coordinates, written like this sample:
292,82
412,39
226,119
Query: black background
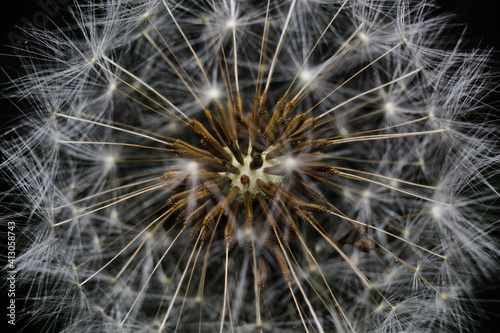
480,17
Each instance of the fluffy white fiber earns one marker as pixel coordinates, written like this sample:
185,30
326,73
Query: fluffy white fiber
374,216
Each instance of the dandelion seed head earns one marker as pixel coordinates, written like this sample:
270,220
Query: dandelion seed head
286,166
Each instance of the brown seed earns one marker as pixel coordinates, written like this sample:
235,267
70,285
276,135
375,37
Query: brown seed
208,141
245,180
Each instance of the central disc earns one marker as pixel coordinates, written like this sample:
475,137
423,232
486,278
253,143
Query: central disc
247,178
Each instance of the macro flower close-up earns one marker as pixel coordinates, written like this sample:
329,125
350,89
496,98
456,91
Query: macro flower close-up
251,166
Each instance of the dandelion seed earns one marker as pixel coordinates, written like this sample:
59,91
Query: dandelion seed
236,166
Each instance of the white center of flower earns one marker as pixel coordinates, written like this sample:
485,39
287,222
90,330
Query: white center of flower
253,175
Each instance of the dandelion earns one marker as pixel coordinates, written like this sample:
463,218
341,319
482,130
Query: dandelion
246,166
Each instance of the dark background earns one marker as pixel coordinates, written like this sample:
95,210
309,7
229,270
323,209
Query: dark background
480,17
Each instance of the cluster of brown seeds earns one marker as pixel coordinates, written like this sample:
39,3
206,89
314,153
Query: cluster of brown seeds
261,172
